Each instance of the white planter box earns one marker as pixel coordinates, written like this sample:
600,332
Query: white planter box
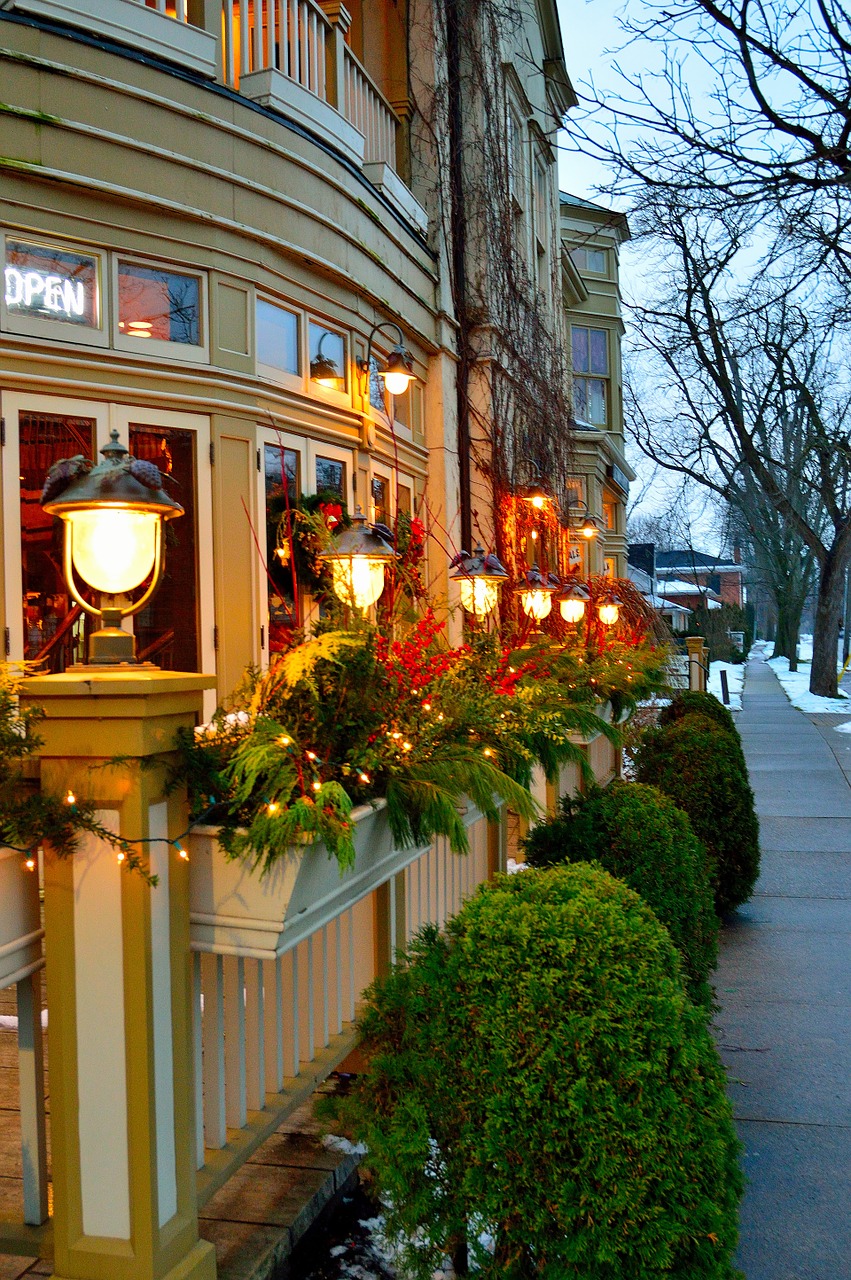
20,919
236,911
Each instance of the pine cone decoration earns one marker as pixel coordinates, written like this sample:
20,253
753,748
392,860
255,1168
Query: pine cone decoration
146,473
62,473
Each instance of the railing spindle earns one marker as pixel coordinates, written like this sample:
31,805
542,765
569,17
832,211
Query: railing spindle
255,1028
235,1111
215,1129
273,996
198,1054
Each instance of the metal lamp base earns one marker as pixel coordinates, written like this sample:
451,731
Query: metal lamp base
111,646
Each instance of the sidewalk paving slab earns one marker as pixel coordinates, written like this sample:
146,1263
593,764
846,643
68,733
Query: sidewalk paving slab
784,1024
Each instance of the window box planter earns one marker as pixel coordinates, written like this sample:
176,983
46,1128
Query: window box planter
20,919
236,911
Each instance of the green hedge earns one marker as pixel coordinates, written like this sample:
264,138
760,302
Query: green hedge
539,1076
691,702
639,835
702,768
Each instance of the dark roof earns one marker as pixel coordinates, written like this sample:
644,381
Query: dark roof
692,560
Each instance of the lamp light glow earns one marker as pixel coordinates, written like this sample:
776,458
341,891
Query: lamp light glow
608,609
572,601
113,548
358,560
398,372
536,593
113,514
479,577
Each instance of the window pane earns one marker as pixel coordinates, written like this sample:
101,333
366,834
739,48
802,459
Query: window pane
331,474
327,357
579,344
277,337
167,628
283,486
404,499
380,501
164,305
54,627
596,260
376,386
52,284
596,401
599,351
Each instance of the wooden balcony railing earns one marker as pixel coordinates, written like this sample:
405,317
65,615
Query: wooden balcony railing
298,40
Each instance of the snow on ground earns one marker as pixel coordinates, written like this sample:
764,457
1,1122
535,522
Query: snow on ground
796,685
735,682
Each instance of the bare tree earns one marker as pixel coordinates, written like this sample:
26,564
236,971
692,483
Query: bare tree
750,392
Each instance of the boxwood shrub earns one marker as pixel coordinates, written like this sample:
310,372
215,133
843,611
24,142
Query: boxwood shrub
702,768
542,1099
692,702
639,835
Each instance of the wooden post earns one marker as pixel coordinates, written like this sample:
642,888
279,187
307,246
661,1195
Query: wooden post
118,984
696,663
31,1075
335,52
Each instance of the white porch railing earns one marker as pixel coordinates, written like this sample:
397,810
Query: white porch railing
295,38
22,1093
266,1031
370,112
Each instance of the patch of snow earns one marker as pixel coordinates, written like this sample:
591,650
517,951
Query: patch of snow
9,1022
335,1143
512,866
735,682
796,686
843,728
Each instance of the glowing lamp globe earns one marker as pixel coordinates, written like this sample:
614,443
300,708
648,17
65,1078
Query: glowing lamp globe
398,373
357,561
588,528
536,593
479,577
572,602
608,609
113,515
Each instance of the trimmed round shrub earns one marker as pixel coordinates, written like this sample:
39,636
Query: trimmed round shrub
639,835
703,770
542,1098
693,703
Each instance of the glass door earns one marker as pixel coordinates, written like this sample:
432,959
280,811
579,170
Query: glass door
45,625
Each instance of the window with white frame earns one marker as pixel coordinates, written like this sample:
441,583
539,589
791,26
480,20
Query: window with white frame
160,309
590,352
593,260
277,337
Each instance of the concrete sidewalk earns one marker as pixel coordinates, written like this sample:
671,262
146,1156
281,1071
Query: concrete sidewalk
784,986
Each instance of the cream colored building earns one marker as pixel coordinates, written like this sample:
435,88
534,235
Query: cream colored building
205,210
591,238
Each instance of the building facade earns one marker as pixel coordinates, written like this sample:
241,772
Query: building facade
591,237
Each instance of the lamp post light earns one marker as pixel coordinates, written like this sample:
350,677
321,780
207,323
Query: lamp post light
572,601
358,559
608,609
536,593
113,515
480,577
398,372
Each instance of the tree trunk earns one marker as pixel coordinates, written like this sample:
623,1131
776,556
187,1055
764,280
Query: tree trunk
828,618
789,610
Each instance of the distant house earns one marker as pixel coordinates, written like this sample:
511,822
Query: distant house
675,612
688,594
715,577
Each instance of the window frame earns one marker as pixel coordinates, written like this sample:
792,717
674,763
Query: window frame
56,330
270,371
589,376
158,347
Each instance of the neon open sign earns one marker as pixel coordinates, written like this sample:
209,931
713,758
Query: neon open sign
51,284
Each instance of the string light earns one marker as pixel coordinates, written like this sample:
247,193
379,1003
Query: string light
181,853
426,706
487,751
364,777
284,741
311,755
272,808
316,786
406,746
70,798
30,864
119,857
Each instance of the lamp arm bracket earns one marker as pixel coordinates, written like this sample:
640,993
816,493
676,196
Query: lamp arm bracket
378,328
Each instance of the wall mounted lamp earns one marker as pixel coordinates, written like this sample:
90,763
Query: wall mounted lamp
398,372
572,599
536,593
113,515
